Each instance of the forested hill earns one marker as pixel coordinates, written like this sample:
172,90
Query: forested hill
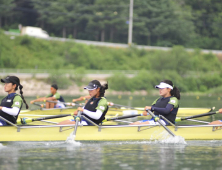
190,23
191,71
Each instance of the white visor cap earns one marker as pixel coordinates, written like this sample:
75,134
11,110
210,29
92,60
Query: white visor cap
163,85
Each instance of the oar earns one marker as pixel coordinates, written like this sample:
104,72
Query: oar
37,104
122,117
76,124
120,106
28,120
69,104
178,119
158,120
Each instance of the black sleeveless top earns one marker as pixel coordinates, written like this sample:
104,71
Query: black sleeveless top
8,102
162,103
91,106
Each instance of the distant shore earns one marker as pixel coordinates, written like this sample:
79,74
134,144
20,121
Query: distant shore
34,87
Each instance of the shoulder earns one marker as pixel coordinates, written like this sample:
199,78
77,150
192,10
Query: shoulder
17,101
103,101
56,95
174,101
17,97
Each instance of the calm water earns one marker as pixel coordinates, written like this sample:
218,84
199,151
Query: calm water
111,155
191,155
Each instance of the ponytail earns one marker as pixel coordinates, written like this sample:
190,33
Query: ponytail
175,91
102,90
21,92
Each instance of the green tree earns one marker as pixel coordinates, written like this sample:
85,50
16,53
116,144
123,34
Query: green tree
163,22
6,7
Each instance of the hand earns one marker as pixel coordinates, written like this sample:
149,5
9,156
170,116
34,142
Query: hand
145,113
75,113
220,110
0,107
147,107
110,103
74,100
80,109
32,101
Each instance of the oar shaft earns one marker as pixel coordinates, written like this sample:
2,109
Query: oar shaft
37,104
124,117
77,122
69,104
29,120
200,115
119,106
159,121
51,117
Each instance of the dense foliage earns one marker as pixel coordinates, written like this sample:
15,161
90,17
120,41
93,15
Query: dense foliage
190,71
194,24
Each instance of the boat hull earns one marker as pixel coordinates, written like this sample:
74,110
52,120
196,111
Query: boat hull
107,133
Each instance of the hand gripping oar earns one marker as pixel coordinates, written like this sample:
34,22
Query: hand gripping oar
159,121
76,124
28,120
178,119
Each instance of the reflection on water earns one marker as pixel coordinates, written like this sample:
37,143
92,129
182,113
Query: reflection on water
111,155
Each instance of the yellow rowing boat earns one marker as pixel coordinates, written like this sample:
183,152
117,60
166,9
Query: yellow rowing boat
107,133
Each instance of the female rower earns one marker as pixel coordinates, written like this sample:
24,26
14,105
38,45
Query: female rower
12,103
53,100
96,108
167,105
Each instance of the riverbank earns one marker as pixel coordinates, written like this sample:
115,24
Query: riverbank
38,87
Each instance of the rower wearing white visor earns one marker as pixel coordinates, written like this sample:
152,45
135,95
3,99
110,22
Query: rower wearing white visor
96,108
167,105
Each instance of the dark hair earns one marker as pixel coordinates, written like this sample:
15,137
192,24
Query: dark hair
54,86
102,90
21,92
175,92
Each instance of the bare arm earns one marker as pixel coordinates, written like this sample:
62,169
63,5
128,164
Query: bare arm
81,98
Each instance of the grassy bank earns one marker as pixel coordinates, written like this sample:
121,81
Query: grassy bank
190,71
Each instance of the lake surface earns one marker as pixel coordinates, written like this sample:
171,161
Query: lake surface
127,155
204,155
